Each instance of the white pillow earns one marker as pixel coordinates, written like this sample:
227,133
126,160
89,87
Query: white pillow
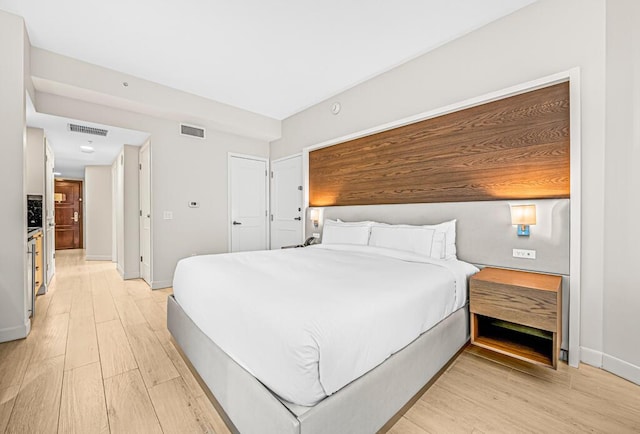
446,231
341,222
408,238
346,233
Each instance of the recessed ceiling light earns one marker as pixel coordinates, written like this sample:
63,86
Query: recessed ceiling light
86,148
57,173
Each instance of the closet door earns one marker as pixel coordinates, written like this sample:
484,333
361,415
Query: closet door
286,202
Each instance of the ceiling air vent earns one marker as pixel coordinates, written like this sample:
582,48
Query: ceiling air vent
190,130
87,130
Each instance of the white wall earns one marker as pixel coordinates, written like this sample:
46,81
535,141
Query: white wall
621,350
35,161
97,213
544,38
127,213
14,322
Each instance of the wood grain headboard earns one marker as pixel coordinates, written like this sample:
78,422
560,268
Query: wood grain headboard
512,148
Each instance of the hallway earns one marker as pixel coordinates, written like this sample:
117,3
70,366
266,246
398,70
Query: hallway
99,360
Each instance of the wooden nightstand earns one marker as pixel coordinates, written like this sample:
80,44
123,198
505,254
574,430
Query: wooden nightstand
517,313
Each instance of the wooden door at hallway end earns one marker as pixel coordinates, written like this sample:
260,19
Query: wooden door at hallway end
68,217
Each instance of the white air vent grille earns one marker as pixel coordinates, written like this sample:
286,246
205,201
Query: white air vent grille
190,130
87,130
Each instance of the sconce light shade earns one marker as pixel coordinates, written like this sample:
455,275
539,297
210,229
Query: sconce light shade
523,216
314,216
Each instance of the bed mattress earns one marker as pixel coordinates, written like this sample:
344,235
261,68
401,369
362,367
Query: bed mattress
306,322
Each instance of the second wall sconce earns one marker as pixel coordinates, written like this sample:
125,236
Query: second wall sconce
523,216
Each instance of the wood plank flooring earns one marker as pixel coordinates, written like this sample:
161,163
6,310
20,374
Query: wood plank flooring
99,359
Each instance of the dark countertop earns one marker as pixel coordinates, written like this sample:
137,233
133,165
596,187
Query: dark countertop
31,231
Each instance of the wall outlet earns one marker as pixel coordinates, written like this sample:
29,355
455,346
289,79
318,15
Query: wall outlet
523,253
167,215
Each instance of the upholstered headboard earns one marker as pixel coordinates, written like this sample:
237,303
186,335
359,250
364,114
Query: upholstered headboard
484,234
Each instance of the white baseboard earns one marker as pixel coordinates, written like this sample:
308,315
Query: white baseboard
17,332
159,284
621,368
132,275
127,276
98,257
591,357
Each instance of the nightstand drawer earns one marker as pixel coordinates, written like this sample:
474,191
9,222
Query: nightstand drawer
521,305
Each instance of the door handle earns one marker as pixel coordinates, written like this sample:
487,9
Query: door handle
75,217
297,218
235,223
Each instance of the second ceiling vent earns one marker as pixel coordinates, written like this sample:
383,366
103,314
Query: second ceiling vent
192,131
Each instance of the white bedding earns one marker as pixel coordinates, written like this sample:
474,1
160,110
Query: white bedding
306,322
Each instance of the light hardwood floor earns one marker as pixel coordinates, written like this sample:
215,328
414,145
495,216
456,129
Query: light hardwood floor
99,359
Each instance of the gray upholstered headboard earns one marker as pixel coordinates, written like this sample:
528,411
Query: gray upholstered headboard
484,234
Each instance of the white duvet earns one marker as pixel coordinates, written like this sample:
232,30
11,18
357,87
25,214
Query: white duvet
306,322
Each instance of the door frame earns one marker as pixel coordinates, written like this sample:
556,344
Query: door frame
147,145
267,184
80,207
302,183
48,222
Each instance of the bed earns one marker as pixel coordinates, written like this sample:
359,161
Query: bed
325,339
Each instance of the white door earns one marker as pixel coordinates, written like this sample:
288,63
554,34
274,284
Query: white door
50,229
145,213
247,203
286,202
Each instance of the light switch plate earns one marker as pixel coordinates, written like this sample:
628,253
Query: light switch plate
316,234
167,215
524,254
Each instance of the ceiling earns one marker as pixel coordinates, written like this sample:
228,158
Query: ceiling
70,161
272,57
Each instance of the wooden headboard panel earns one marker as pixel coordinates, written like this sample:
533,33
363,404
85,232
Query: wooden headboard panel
512,148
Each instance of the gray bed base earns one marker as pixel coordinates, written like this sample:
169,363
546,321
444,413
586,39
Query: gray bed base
363,406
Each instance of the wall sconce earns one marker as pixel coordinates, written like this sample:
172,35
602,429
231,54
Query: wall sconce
523,216
314,216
